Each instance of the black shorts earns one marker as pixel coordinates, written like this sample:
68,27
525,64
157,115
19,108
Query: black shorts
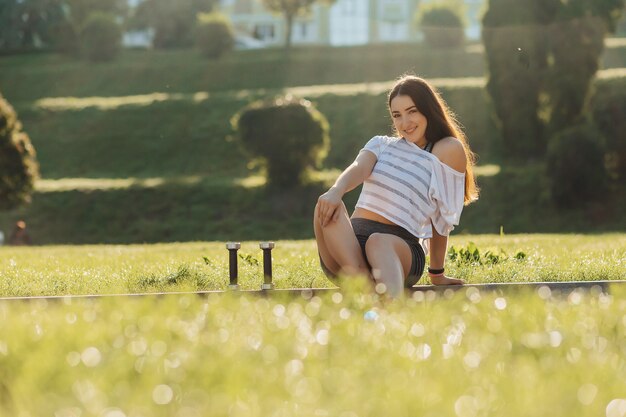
363,228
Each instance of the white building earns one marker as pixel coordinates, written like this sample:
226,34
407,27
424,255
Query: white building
346,22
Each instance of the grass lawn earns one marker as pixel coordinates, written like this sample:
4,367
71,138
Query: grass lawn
464,354
109,269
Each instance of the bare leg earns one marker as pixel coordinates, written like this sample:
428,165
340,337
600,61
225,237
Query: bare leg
338,247
390,258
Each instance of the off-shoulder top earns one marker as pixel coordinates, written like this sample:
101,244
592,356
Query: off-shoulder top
412,188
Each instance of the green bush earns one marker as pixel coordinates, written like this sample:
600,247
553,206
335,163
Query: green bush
442,27
542,57
575,166
65,38
173,21
576,47
289,135
101,37
214,35
515,48
608,107
18,166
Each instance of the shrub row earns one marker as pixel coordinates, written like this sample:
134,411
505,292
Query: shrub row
182,211
190,138
26,78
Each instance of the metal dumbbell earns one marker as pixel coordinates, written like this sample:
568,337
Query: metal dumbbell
233,247
267,265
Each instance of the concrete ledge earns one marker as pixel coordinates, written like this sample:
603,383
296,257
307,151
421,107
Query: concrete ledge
557,287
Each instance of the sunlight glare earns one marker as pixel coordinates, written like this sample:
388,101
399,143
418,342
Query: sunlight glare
500,303
91,357
587,393
466,406
616,408
162,394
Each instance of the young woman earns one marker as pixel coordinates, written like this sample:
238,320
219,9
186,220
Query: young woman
414,187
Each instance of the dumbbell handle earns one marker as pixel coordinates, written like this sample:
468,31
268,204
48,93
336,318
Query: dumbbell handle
233,247
267,265
232,263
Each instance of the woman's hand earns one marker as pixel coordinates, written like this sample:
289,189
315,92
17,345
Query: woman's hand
328,206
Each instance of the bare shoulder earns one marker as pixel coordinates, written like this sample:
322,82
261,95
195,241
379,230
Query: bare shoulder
450,151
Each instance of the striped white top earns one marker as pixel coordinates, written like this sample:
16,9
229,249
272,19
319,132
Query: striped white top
412,188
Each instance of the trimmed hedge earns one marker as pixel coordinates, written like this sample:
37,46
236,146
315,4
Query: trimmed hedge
575,166
18,166
289,135
214,35
201,129
608,107
31,77
442,27
101,37
542,57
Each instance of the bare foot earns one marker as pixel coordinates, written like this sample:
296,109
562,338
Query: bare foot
443,280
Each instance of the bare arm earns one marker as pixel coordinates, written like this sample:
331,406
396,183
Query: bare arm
438,250
348,180
449,151
356,173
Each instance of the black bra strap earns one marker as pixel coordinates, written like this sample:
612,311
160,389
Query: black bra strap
429,147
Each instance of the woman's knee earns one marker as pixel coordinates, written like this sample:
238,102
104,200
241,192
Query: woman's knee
316,219
342,209
375,243
381,248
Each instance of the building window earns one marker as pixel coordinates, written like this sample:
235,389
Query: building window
264,32
348,7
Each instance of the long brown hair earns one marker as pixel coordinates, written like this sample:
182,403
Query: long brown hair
442,122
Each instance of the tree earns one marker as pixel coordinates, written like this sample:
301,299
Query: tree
18,166
542,55
28,23
49,23
214,35
290,9
101,37
80,10
442,27
173,21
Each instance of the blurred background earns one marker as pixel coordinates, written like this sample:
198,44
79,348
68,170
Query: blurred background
129,121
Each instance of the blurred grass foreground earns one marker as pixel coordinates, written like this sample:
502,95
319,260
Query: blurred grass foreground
464,354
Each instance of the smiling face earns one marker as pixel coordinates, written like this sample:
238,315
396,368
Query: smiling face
408,120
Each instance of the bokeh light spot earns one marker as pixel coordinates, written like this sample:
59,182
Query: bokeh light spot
587,393
162,394
91,357
616,408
